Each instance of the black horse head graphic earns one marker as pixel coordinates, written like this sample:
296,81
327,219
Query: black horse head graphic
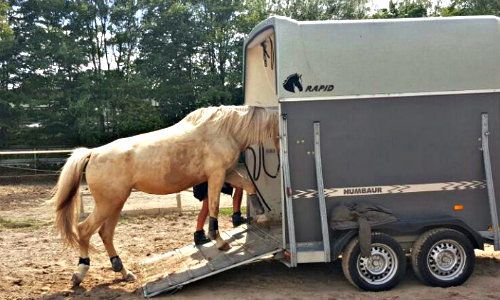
292,81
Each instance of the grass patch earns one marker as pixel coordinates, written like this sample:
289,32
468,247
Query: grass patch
228,211
21,223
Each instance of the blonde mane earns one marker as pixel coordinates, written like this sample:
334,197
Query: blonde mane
250,124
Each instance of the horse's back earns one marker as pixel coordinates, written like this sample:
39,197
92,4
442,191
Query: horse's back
159,162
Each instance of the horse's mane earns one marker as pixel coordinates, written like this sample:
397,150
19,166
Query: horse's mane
251,124
289,77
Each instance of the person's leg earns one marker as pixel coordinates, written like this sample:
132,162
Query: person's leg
238,195
200,192
202,215
199,235
236,217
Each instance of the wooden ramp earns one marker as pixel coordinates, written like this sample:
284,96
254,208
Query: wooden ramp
172,270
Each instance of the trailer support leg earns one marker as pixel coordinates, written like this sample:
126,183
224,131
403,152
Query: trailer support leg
321,193
489,180
285,171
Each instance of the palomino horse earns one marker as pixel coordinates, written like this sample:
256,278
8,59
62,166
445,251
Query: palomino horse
204,146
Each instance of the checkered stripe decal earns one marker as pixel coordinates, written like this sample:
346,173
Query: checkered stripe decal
392,189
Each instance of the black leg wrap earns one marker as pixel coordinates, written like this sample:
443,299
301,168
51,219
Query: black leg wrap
84,261
213,228
116,263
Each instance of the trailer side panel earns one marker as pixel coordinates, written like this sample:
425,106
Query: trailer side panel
418,156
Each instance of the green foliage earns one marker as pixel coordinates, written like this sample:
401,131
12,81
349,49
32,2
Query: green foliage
85,72
7,112
321,9
404,9
6,32
472,7
7,116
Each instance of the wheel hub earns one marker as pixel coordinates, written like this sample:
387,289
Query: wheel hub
377,262
380,266
446,259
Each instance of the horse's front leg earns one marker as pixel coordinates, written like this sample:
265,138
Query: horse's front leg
215,183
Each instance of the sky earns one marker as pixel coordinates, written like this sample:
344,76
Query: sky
378,4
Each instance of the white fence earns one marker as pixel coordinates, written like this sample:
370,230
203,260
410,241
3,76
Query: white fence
28,161
33,158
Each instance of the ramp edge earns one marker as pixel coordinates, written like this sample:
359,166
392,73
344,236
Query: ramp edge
147,294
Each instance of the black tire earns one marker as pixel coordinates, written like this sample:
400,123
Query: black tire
357,269
443,257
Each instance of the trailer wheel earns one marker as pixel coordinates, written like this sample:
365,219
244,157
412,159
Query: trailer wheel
443,257
383,270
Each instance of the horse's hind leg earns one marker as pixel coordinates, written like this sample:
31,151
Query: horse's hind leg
85,230
107,232
106,204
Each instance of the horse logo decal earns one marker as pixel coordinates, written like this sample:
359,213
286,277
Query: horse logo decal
293,81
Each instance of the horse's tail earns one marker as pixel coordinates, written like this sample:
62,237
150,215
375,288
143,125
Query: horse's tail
67,198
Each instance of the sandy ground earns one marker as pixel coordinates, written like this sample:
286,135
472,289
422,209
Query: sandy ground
35,265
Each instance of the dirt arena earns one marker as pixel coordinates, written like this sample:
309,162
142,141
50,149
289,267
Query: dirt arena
35,265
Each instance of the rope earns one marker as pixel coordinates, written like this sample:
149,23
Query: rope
253,178
263,157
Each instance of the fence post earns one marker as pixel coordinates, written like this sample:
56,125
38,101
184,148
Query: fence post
179,204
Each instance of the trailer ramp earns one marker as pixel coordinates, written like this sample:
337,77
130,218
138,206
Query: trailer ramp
172,270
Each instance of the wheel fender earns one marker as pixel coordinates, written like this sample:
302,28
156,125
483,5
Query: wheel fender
340,241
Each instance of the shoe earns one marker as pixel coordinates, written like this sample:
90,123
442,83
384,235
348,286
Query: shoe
200,238
238,219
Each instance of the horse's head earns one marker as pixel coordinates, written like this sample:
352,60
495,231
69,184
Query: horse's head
292,81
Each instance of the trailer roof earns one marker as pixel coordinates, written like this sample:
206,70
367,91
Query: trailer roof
375,57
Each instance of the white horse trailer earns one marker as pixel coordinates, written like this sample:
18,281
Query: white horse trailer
399,118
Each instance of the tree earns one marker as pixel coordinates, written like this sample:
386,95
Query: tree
405,9
220,42
84,72
126,32
6,110
472,7
320,9
5,30
168,59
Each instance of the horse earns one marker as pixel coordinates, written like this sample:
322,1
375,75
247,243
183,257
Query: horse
204,146
292,81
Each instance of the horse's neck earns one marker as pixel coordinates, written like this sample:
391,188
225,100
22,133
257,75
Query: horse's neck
241,140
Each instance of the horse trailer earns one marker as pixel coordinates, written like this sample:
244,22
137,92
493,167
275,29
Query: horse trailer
389,143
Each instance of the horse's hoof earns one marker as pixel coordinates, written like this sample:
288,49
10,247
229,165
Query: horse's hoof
76,280
130,277
224,247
